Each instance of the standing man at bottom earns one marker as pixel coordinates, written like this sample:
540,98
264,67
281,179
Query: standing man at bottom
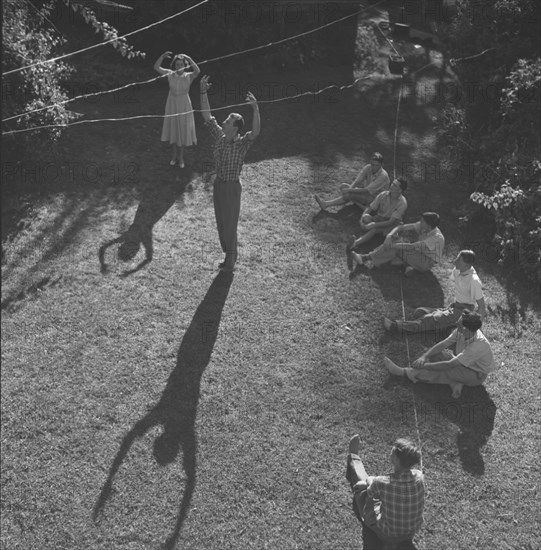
230,148
392,505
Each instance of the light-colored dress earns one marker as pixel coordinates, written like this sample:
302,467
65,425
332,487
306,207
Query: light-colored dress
179,129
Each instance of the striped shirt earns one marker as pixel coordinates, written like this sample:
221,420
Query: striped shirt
401,499
228,155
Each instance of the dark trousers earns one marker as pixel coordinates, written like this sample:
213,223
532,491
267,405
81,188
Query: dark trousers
227,209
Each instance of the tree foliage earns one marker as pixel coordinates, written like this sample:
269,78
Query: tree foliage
29,38
493,124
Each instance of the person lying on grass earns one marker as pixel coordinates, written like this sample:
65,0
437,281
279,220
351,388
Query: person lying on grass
372,179
420,255
468,294
392,505
470,365
384,213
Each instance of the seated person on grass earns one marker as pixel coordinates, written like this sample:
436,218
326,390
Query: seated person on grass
420,255
372,179
470,365
391,505
384,213
468,293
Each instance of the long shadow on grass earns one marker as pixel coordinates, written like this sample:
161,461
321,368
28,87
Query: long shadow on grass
177,408
473,413
156,200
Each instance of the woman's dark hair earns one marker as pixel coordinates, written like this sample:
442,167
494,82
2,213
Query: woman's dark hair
175,57
407,453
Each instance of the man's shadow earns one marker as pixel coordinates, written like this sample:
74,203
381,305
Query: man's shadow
177,408
156,200
473,413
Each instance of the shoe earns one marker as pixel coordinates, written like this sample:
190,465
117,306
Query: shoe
393,368
320,202
181,164
172,162
409,271
388,324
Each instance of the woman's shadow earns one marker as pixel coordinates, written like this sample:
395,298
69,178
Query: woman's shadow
177,408
156,200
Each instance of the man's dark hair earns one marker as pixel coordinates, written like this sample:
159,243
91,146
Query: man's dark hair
407,452
431,218
239,123
468,256
472,321
403,182
377,156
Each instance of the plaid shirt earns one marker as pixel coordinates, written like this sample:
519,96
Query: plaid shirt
401,499
228,155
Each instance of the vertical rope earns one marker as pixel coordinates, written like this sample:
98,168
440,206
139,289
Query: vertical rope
395,147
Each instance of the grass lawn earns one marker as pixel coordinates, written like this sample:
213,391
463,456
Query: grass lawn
181,407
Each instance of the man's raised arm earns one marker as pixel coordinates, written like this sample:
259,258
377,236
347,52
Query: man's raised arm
205,106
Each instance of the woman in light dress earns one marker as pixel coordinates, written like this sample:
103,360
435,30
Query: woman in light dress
178,130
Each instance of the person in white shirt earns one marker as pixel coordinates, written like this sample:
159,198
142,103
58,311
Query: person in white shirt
372,179
468,295
420,255
472,361
384,213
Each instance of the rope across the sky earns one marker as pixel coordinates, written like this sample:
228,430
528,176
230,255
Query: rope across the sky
116,39
137,117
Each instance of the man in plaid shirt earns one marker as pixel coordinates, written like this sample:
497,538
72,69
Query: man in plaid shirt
230,148
392,505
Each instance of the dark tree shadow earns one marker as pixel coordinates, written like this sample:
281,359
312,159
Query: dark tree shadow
473,413
156,200
177,408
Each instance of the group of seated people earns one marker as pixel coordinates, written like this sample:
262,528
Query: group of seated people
391,506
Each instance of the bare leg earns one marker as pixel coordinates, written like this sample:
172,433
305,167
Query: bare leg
181,156
173,154
365,238
355,468
331,202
